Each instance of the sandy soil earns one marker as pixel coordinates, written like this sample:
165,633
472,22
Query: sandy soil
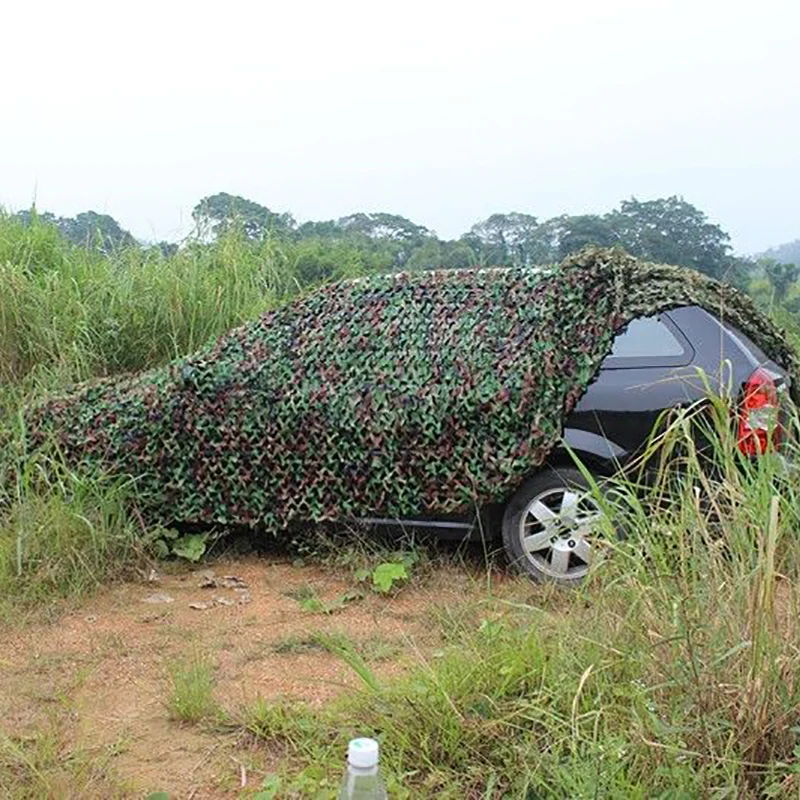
101,671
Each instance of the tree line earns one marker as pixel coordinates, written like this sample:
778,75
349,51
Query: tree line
669,230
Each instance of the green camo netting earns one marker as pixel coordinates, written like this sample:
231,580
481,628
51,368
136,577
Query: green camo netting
391,395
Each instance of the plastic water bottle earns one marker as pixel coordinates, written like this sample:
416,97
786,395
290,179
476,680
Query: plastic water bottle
363,779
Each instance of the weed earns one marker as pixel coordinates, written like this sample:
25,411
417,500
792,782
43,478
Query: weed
191,697
63,534
42,764
309,601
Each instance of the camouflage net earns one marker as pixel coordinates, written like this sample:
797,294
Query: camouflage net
391,395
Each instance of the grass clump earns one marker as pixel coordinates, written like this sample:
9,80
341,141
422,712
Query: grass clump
62,534
191,697
42,764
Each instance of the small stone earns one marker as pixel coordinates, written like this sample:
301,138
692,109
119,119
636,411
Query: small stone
158,598
207,579
232,582
197,606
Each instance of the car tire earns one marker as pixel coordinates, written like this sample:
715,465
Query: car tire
548,526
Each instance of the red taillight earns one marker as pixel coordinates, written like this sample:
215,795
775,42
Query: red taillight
759,415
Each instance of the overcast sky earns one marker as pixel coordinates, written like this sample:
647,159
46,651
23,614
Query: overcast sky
441,111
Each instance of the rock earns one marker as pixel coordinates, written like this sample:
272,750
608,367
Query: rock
231,582
158,598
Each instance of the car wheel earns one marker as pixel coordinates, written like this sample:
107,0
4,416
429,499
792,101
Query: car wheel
549,525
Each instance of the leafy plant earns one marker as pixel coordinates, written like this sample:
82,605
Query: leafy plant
389,574
385,576
270,788
309,601
189,546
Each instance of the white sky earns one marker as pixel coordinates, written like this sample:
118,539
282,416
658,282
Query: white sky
441,111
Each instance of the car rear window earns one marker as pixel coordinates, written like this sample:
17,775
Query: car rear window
645,337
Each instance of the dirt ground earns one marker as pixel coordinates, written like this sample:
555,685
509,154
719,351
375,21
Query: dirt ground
100,672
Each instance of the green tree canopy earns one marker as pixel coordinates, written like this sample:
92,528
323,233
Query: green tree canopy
780,276
586,229
220,212
672,231
88,229
788,253
505,239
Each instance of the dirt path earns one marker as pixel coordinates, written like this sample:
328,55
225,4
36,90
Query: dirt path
100,674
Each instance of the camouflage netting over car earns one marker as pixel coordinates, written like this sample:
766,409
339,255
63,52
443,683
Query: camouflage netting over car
391,395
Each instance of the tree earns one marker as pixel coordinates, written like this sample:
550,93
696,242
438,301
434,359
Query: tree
327,229
672,231
88,229
505,239
384,226
788,253
390,234
780,276
580,231
458,255
99,230
218,213
427,256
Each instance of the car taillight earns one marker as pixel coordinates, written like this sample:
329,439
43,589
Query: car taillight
759,415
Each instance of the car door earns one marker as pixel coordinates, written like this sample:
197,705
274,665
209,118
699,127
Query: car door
647,371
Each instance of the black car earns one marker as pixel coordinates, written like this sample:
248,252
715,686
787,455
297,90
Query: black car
656,364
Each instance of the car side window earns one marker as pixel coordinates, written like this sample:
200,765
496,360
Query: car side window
648,341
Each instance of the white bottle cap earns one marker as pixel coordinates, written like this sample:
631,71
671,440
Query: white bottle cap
362,753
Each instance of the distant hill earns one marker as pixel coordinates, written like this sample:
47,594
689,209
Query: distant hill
788,253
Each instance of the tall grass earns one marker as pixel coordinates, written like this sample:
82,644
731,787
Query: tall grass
68,313
82,315
673,672
62,534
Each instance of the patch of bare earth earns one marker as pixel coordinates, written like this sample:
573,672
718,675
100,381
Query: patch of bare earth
103,669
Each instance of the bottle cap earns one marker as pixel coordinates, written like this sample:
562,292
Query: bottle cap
362,753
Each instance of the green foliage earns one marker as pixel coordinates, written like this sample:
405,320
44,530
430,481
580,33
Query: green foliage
781,276
423,393
270,788
309,601
220,213
585,230
68,314
508,239
387,575
191,697
167,542
672,231
88,229
47,763
62,534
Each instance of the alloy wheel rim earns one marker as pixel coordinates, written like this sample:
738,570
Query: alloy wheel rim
556,529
